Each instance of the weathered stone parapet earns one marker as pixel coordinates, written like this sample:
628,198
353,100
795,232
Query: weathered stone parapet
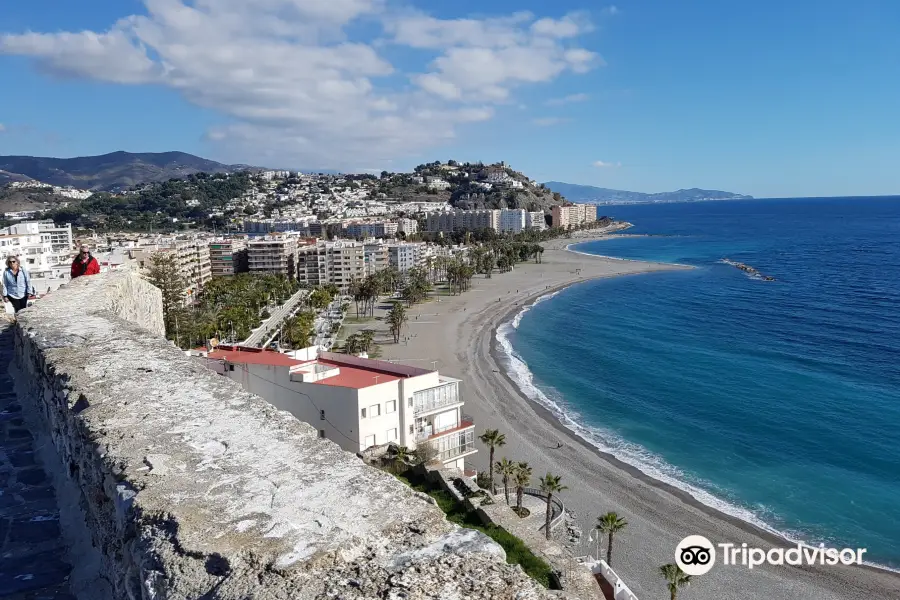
192,488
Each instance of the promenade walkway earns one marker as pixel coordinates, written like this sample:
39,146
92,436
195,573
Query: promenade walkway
274,322
32,553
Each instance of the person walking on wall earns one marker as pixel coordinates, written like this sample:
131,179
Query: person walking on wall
16,284
85,264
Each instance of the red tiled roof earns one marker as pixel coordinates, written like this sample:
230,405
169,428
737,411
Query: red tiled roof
352,377
253,356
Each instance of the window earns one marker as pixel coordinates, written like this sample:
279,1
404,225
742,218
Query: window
321,415
362,414
412,429
390,407
370,441
321,433
375,410
231,367
391,435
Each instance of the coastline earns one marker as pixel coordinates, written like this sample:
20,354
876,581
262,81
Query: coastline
751,524
460,333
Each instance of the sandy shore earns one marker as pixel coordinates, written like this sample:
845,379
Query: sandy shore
459,333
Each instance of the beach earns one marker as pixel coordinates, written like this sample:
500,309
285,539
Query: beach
459,333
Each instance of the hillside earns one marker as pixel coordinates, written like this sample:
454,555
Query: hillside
14,200
589,193
118,170
468,186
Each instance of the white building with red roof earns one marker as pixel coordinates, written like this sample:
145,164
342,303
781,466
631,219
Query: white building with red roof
357,402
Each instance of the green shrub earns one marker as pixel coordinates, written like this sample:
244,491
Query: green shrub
517,553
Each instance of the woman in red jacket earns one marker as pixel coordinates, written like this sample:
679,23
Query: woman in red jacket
85,264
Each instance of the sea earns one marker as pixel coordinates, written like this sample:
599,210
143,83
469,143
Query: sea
777,402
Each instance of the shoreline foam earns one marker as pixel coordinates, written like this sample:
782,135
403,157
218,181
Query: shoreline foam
629,453
458,332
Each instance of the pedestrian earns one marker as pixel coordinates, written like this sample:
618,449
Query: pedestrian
85,264
17,285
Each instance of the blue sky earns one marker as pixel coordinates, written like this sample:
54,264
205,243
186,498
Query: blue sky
769,98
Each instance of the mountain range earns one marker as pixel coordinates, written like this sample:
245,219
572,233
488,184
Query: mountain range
120,170
598,195
108,172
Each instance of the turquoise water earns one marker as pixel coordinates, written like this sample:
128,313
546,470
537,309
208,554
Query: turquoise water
778,402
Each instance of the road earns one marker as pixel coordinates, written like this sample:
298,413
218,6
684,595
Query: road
272,324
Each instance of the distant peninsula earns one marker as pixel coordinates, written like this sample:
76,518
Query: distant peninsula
598,195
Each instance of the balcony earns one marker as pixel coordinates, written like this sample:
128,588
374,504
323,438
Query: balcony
462,450
441,396
429,432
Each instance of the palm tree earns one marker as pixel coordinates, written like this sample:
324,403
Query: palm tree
492,438
610,524
507,469
396,319
675,578
550,484
522,478
402,455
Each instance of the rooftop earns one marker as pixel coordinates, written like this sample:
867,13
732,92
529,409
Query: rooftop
253,356
329,368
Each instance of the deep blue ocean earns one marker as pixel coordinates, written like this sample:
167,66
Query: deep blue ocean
778,402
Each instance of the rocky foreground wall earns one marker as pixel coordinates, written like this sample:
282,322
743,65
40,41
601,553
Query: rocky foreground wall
191,488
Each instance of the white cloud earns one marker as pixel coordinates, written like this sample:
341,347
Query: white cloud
296,83
549,121
571,25
607,165
2,127
570,99
611,10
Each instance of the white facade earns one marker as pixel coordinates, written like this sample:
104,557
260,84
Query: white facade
498,177
535,220
512,220
357,402
404,257
437,183
44,249
407,226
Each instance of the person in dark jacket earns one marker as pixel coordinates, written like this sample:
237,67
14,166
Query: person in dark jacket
85,264
17,285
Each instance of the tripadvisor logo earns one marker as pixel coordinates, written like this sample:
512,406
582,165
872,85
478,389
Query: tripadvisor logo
696,555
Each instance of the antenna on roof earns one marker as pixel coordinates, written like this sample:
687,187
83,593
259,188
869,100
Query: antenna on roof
376,379
434,365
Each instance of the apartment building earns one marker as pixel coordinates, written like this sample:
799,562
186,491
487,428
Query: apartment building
44,249
367,229
192,257
535,220
375,255
464,220
273,254
340,262
407,226
512,220
404,257
574,215
358,402
228,256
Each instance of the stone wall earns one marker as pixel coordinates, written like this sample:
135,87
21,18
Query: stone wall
191,488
